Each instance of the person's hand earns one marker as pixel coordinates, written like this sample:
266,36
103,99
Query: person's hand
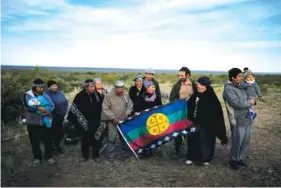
137,113
253,101
125,116
224,142
42,109
115,122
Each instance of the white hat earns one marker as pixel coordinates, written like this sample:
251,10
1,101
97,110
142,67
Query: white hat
119,84
150,71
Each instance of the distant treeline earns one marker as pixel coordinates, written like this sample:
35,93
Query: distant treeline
15,83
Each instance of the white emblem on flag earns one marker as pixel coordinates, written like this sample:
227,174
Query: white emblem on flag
167,138
175,134
159,142
184,132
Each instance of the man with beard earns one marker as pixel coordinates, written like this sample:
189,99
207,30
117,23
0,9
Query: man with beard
183,89
84,113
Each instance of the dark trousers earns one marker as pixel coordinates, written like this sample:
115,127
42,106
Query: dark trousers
57,130
178,142
87,141
37,134
201,146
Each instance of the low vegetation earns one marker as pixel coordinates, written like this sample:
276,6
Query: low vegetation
160,170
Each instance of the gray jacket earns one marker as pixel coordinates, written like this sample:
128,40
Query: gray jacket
115,107
237,104
32,118
253,90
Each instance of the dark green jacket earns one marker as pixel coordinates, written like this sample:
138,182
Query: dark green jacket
175,92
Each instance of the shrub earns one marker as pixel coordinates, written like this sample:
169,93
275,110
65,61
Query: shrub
11,97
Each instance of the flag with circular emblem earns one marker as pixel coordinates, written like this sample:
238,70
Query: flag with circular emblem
156,126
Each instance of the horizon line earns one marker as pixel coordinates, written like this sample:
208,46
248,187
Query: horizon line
141,69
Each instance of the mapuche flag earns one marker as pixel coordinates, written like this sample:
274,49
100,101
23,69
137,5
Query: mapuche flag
156,126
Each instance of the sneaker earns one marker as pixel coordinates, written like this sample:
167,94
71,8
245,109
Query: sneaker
250,115
36,162
51,161
234,165
188,162
241,163
206,163
254,116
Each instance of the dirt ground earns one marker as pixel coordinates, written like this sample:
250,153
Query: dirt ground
264,158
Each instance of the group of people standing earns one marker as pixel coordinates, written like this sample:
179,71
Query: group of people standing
45,112
94,107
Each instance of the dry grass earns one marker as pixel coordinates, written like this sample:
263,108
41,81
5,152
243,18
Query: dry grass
160,170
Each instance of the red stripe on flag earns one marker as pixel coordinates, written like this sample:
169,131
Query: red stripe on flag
148,138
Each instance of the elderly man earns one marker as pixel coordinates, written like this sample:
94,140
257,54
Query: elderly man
183,89
237,106
116,106
149,76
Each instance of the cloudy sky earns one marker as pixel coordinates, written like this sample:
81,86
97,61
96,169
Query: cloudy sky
161,34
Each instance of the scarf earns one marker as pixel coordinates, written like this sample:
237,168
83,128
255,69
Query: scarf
151,98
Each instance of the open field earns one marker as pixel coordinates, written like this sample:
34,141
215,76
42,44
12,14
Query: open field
264,155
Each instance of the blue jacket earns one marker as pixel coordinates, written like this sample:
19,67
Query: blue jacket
33,118
60,101
43,103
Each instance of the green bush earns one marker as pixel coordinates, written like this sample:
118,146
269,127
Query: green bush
12,91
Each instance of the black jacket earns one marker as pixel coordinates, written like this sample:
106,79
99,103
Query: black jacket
99,98
135,94
174,95
143,105
85,112
209,113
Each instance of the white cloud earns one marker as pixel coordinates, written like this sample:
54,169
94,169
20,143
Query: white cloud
158,5
156,34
